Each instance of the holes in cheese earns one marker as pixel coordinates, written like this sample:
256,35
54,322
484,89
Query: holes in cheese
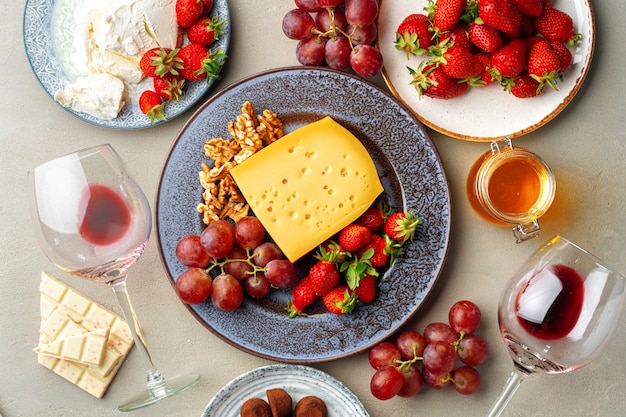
308,185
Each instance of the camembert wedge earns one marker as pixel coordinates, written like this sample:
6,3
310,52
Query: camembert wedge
308,185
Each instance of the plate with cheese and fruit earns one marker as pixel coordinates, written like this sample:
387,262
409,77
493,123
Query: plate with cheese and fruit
297,383
483,91
87,57
334,146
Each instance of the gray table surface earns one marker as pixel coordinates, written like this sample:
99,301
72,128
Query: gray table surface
585,146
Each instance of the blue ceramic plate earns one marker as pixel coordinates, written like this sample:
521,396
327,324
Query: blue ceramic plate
411,173
298,380
48,33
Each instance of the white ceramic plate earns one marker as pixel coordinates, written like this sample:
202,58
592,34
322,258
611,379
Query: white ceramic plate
298,380
483,114
48,32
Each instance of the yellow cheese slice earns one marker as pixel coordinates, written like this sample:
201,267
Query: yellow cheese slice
308,185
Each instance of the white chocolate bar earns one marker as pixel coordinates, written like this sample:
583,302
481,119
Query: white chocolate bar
88,348
65,313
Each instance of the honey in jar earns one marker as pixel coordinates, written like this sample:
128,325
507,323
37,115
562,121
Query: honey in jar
510,185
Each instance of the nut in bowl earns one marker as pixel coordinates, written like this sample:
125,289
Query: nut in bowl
481,113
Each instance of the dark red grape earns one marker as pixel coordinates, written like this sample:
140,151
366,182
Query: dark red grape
257,286
330,3
386,383
436,381
193,286
439,332
327,22
311,51
190,252
265,252
311,6
361,13
249,232
411,344
364,35
298,24
366,60
218,238
280,273
239,269
337,53
226,292
383,354
464,317
412,381
465,380
439,357
472,350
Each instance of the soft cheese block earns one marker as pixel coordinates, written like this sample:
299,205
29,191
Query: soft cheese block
308,185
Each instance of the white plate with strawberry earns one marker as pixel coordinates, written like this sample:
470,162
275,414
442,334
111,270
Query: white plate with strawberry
48,36
411,173
489,112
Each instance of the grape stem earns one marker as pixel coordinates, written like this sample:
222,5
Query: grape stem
334,31
217,263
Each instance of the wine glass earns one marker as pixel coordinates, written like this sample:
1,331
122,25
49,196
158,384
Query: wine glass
93,221
558,313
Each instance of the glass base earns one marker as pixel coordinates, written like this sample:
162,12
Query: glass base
164,389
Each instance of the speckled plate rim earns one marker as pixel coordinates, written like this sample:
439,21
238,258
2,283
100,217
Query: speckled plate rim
471,117
44,45
414,178
298,380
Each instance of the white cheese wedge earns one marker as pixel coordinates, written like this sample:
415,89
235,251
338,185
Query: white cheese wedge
100,95
308,185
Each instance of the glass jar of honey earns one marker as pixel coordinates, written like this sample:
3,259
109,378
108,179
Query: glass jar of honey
510,185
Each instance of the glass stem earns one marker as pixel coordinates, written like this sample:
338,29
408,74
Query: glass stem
154,378
512,384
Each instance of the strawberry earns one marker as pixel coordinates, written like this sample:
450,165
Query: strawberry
431,81
335,250
459,63
151,105
556,26
508,61
188,11
501,15
527,28
169,87
413,35
457,37
381,251
206,30
366,291
207,6
447,14
373,218
532,8
198,62
484,36
339,300
324,274
303,296
525,86
543,64
157,62
565,56
354,236
484,78
400,226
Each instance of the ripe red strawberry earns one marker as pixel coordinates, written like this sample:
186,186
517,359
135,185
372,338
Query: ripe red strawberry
381,248
500,14
543,64
366,291
525,86
484,78
373,218
556,26
484,36
431,81
354,236
324,274
447,14
199,63
509,60
400,226
413,35
459,63
457,37
169,86
206,30
532,8
565,56
340,300
303,296
151,105
157,62
188,11
207,6
335,250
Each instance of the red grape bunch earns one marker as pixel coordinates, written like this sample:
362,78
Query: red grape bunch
337,33
397,363
242,258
